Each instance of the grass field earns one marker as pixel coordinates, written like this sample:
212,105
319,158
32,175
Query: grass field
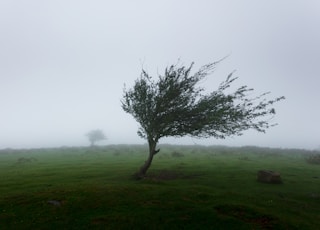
188,187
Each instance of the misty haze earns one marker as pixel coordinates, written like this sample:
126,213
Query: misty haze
64,65
199,113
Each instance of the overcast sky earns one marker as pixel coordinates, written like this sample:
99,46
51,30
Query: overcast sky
63,64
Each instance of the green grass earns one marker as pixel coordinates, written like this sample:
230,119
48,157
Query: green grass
206,188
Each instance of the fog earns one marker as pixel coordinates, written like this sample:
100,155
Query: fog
63,64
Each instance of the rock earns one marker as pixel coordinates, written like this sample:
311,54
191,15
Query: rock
268,176
54,202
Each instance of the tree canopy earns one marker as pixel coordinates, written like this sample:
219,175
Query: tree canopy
175,105
95,135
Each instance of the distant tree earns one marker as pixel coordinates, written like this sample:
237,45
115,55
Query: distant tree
175,106
95,135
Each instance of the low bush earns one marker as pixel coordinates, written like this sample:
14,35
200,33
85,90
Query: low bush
313,159
177,154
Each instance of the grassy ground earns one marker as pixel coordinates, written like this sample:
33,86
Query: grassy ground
187,188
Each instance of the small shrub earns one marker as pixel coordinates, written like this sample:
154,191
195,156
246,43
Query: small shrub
243,158
313,159
23,160
177,154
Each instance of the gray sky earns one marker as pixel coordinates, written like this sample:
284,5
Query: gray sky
63,64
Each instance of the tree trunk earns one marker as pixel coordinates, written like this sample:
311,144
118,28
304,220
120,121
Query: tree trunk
152,151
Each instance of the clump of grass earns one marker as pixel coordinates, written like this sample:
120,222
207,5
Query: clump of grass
313,159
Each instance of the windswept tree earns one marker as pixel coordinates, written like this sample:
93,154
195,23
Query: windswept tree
176,106
95,135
